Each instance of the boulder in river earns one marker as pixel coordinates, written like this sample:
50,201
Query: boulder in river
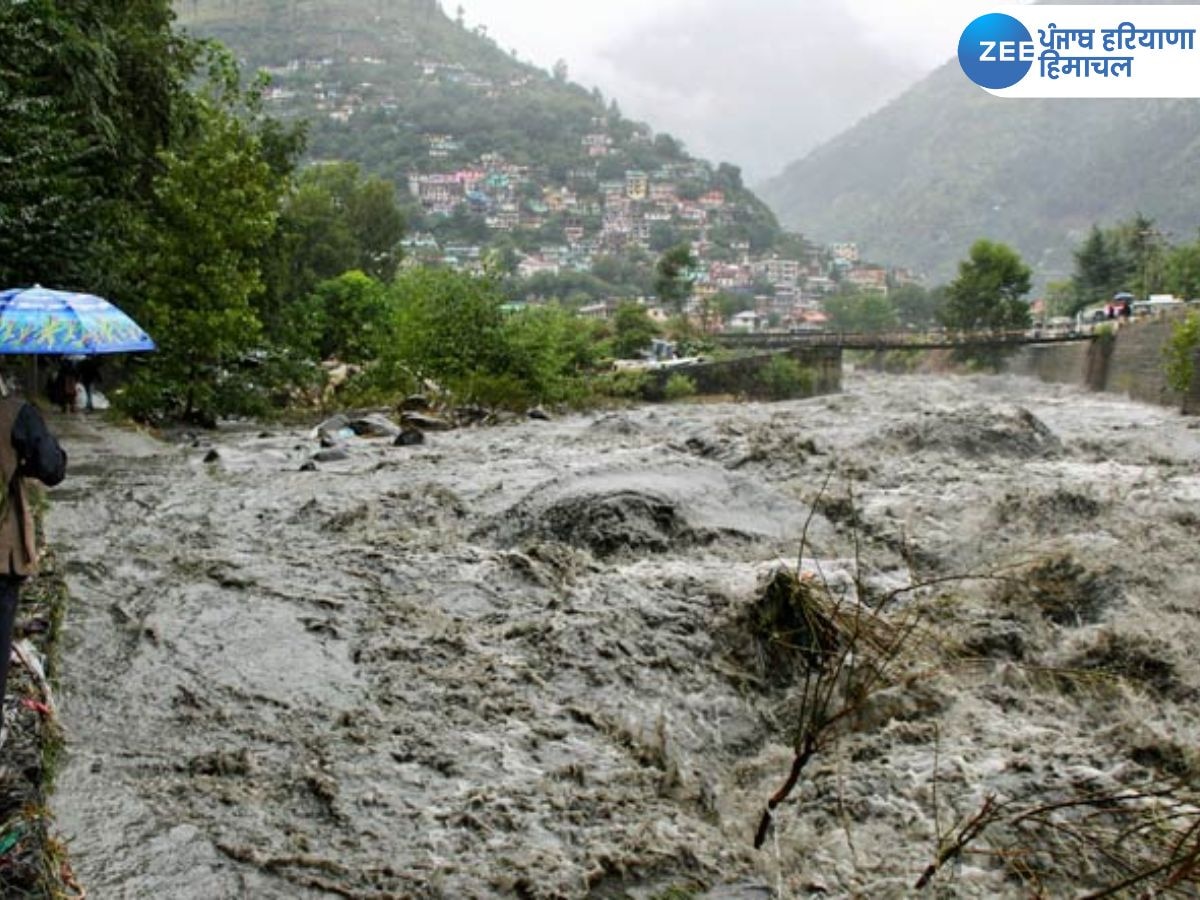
333,454
410,437
375,426
978,431
472,414
329,431
424,422
653,510
415,403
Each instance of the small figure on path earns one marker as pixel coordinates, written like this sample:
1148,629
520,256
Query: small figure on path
65,385
88,369
27,450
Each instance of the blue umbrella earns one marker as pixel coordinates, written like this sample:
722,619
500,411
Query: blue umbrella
39,321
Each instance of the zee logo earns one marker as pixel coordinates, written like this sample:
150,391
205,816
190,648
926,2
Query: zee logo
996,51
1006,51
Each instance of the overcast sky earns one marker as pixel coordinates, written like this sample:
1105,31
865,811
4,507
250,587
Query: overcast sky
758,82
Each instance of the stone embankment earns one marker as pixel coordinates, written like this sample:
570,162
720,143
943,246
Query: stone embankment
1129,361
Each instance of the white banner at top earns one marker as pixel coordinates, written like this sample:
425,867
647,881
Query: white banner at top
1085,51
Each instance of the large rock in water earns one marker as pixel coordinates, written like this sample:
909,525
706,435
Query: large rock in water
375,426
653,510
424,422
978,431
335,454
410,437
329,432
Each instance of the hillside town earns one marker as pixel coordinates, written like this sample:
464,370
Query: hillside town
641,213
552,221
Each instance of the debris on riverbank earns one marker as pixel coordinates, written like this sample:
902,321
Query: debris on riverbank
33,859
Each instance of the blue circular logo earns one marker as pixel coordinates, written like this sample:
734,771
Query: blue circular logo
995,51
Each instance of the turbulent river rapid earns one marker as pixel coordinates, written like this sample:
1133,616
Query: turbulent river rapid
505,662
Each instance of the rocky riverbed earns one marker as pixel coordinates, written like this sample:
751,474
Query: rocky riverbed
511,661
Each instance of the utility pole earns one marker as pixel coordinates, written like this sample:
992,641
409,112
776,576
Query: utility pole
1150,243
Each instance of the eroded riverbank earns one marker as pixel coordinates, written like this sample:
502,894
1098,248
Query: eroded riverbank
500,663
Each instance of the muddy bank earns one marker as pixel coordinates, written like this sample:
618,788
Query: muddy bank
507,662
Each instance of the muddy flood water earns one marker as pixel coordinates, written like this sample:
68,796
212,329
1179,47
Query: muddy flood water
511,661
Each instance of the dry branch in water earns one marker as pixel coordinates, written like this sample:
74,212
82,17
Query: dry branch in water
845,651
837,648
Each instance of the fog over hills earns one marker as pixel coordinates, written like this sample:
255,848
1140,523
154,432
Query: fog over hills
756,84
946,163
759,87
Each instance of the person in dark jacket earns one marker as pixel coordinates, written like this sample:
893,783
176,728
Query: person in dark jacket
27,450
89,377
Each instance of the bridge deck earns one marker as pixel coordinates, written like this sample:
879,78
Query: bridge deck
896,340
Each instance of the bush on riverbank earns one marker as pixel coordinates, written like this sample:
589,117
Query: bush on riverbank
679,387
454,329
1180,353
784,378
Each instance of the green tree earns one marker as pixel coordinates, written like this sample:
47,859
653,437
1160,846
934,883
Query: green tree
214,207
353,313
864,311
633,330
377,225
1144,249
673,277
728,304
628,274
916,306
783,378
1180,353
448,326
1183,271
332,222
361,212
679,387
452,328
545,351
1101,268
1128,257
314,243
88,92
987,293
502,257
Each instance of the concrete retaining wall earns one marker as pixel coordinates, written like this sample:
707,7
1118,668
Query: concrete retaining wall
740,376
1128,362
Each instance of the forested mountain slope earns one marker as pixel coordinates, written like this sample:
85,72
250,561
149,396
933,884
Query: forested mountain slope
947,163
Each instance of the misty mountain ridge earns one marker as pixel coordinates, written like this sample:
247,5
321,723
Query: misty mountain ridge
917,182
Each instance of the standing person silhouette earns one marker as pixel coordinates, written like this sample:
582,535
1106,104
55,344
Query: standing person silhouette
27,450
89,377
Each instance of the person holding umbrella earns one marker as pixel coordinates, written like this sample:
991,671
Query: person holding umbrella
27,450
41,322
38,321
